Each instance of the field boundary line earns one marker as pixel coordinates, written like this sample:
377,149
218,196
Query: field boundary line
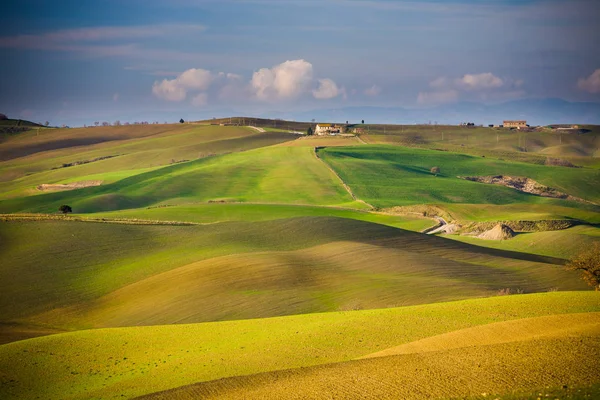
341,180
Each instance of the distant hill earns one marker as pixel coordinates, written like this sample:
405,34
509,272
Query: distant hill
8,126
18,122
535,111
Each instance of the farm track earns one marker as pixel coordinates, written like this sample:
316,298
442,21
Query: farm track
346,187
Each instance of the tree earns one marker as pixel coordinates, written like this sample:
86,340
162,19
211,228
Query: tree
65,209
47,123
96,123
181,121
363,121
309,131
435,170
3,117
588,262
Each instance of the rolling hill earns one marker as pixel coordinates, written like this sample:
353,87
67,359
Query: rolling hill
207,260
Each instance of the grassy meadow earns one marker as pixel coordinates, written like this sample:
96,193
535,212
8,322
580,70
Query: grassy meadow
206,261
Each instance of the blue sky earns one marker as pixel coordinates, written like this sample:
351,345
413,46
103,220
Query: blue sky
76,62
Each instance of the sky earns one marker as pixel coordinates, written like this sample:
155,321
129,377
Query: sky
75,62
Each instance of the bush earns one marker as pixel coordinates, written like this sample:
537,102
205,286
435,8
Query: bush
65,209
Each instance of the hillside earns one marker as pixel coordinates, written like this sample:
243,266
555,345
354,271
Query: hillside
140,360
248,263
123,275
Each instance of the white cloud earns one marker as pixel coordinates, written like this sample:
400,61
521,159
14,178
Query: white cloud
327,89
200,100
169,90
284,81
434,98
483,81
482,87
373,91
591,83
177,89
199,79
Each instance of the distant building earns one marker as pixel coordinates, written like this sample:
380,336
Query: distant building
328,129
515,124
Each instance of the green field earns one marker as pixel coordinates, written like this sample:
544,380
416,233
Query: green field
215,261
387,176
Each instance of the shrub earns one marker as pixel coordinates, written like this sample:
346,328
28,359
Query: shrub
65,209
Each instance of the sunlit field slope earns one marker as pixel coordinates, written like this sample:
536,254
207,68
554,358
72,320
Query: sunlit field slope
73,275
140,360
271,175
390,175
113,153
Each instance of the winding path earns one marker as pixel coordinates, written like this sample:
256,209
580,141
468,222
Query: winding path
341,180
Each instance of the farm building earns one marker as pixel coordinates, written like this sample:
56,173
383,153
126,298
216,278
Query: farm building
515,124
328,129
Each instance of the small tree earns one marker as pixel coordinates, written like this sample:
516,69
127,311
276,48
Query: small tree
65,209
47,123
435,170
588,262
363,121
181,121
309,131
3,117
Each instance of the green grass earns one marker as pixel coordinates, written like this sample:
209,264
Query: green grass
223,212
131,154
520,212
290,175
388,176
139,360
74,275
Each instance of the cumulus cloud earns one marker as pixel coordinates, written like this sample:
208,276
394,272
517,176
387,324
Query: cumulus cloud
479,81
284,81
590,84
373,91
177,89
327,89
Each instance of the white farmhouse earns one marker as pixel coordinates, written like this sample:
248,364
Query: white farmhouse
328,129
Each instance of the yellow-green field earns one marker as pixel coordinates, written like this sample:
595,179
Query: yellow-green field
140,360
206,261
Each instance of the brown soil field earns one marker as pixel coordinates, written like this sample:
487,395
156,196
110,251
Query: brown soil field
67,186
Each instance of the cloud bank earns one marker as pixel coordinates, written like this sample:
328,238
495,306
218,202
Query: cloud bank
289,80
482,86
